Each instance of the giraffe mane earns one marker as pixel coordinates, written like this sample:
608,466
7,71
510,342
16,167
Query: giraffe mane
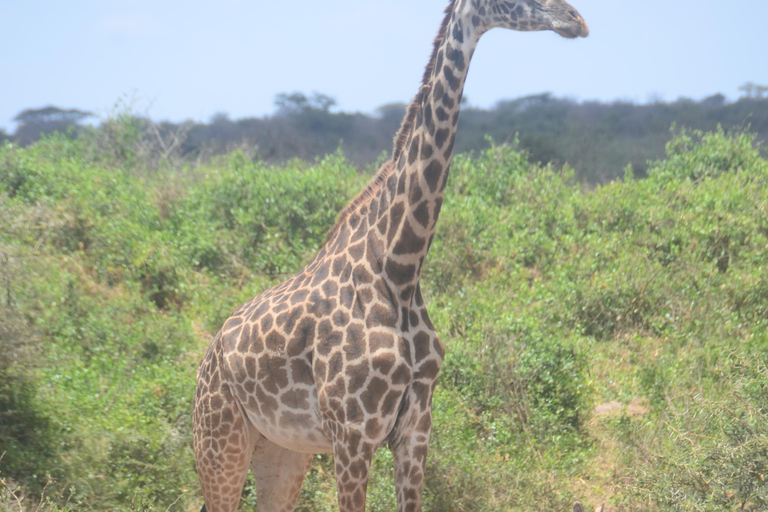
363,197
401,138
410,114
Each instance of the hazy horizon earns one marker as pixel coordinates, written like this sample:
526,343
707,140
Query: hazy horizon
188,60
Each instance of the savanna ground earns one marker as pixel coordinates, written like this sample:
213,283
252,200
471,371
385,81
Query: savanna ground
602,344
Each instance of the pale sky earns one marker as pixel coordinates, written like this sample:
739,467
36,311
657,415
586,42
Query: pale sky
189,59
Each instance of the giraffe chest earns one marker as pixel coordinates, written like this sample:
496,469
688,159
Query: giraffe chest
365,383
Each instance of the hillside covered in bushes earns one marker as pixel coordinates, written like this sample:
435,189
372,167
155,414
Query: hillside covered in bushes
609,344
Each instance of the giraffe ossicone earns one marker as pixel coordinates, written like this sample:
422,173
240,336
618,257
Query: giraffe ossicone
342,357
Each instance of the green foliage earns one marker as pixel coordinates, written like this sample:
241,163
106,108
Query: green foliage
698,156
647,293
27,439
120,135
714,453
244,212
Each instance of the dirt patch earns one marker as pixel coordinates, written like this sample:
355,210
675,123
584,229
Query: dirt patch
608,409
635,408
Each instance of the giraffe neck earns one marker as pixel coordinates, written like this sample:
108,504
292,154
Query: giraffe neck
417,180
391,223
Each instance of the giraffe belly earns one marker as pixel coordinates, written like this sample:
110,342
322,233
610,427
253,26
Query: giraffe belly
294,424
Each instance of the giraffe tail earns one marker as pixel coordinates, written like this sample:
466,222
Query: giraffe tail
203,509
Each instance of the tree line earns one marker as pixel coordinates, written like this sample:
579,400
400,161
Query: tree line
598,140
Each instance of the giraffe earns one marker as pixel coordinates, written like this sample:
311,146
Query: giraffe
342,357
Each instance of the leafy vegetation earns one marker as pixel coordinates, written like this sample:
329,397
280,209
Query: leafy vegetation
602,344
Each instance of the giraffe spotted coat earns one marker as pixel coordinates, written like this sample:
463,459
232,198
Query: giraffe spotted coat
342,357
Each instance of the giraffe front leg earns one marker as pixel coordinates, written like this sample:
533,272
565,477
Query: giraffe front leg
409,449
352,457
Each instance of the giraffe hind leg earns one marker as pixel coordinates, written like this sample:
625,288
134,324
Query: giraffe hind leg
222,446
278,473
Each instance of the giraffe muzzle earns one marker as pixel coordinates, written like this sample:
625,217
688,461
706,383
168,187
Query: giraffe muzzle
573,30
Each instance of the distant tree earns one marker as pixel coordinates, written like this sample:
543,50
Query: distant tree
291,103
716,100
223,131
748,89
754,91
51,114
391,110
298,102
322,102
220,118
33,122
533,100
4,137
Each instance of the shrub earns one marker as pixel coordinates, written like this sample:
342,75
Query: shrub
548,297
27,435
695,155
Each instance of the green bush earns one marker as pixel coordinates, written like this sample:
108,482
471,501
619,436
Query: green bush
27,436
695,155
551,299
263,217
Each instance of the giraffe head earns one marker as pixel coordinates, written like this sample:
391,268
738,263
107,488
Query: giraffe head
528,15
